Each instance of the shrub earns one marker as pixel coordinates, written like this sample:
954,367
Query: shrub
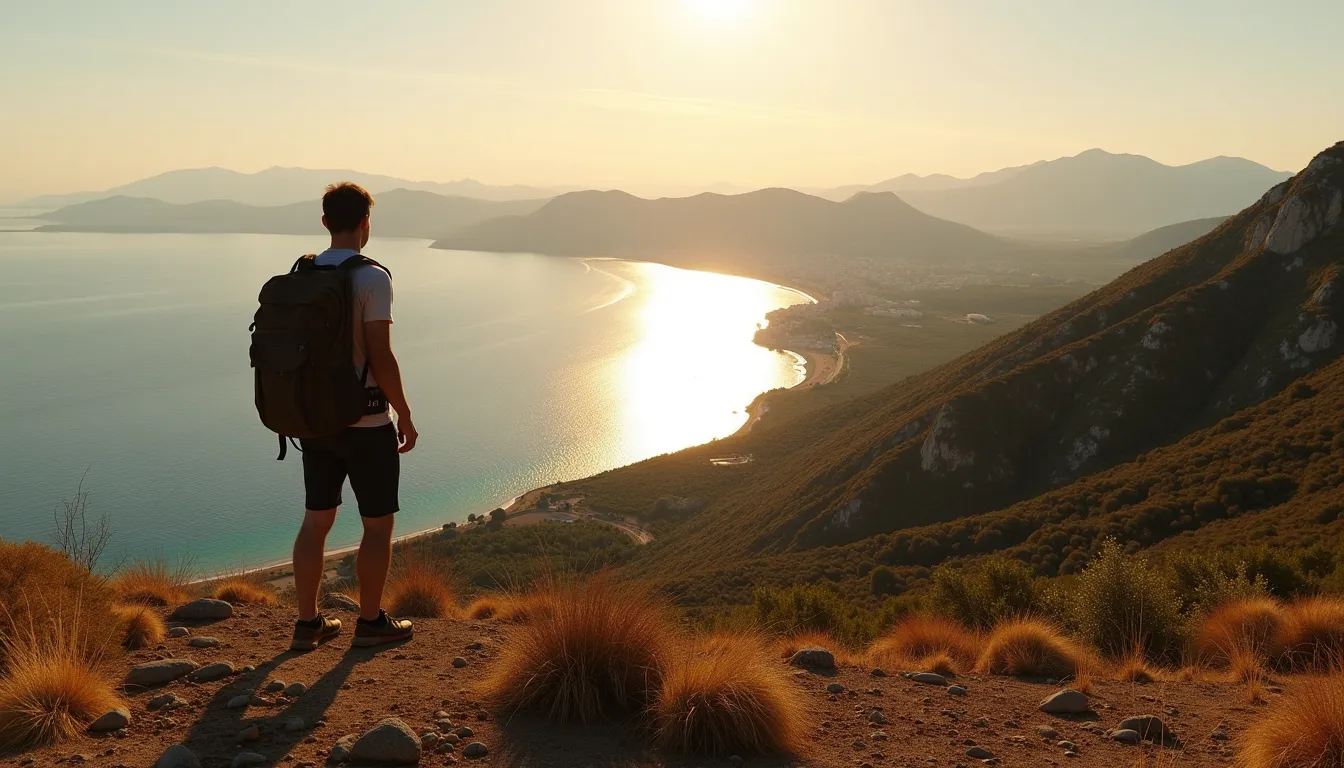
418,591
726,695
591,651
39,585
998,588
152,582
1029,648
1240,627
1205,582
920,640
244,591
1305,729
884,581
813,607
141,626
1311,636
1122,606
50,689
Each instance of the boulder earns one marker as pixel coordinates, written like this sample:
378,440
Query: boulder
295,690
1065,702
159,672
335,601
212,672
239,702
813,658
203,610
928,678
275,686
475,749
390,742
1150,728
178,756
113,720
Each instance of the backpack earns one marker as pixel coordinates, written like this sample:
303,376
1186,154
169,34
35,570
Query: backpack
305,381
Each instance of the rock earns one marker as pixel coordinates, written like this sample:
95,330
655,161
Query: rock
459,662
928,678
1219,735
294,725
956,690
482,715
113,720
390,742
452,738
1150,728
835,688
464,732
203,609
250,733
212,672
275,686
295,690
203,642
878,672
246,759
878,717
1047,733
1067,746
159,672
334,601
178,756
475,645
813,658
475,749
1125,736
179,632
428,740
979,753
168,700
1065,702
239,702
340,751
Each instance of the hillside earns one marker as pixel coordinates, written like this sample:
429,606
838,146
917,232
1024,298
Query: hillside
710,229
277,186
1163,354
1093,195
398,213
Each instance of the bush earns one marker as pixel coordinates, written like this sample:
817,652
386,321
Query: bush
591,651
50,689
418,591
152,582
1122,606
726,695
1310,638
1205,582
1305,729
1029,648
812,607
998,588
141,626
928,642
242,590
884,581
42,592
1238,628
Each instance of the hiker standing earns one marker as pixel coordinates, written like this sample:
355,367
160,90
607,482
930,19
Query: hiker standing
326,375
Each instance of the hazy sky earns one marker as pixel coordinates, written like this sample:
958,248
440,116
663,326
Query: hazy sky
655,92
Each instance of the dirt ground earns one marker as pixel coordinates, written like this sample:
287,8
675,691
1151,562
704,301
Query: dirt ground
350,690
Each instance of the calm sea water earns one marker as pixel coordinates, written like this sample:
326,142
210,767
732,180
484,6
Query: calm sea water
125,362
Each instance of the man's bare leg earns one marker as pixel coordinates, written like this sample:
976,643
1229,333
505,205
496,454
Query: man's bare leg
375,557
310,546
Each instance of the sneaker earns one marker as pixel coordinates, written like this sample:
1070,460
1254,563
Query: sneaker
381,631
309,634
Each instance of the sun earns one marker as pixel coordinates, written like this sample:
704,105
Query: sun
720,12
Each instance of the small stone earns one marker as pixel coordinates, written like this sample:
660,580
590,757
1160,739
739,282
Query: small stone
877,717
482,715
452,738
340,751
250,733
159,672
877,736
1070,753
211,672
1150,728
928,678
835,688
239,702
334,601
178,756
275,686
465,732
390,742
1065,702
179,632
813,658
475,749
295,725
442,715
246,759
475,645
1066,745
203,609
956,690
428,740
203,642
1219,735
295,690
878,672
459,662
1125,736
1047,733
113,720
979,753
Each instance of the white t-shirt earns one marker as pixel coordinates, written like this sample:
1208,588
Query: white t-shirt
373,301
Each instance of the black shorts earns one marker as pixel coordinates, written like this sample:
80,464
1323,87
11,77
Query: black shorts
367,455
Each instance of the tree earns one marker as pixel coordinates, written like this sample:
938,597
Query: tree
81,541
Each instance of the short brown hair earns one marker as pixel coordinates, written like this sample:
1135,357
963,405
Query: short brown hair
345,204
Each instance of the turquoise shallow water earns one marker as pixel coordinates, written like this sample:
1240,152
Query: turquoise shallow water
125,360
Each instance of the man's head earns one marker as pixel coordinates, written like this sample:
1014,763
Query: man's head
345,212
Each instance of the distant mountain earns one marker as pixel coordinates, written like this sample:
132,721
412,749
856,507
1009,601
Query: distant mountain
1092,195
911,182
720,231
277,186
396,213
1159,241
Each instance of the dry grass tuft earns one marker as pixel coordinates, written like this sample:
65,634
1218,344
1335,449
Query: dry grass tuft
418,591
1237,628
152,582
1311,636
241,590
1085,680
727,695
1305,729
788,646
939,664
41,590
589,651
926,638
511,607
51,689
1134,669
1029,648
141,626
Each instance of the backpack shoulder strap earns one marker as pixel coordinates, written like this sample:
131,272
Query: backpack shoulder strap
360,260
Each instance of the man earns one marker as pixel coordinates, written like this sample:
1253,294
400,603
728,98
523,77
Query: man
368,452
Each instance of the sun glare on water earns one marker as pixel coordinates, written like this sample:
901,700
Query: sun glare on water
719,12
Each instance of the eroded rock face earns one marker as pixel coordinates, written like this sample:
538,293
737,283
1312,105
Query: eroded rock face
1314,205
939,451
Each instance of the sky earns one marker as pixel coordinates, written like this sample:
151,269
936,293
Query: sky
643,94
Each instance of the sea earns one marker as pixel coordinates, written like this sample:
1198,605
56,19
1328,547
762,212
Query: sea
124,373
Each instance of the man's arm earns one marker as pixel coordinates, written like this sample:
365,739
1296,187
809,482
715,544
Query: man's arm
386,371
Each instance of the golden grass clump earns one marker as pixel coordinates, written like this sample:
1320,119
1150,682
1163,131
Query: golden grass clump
591,650
1134,669
418,591
1029,648
152,582
510,607
1237,628
50,690
141,626
727,694
1305,729
927,639
39,585
1311,636
241,590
